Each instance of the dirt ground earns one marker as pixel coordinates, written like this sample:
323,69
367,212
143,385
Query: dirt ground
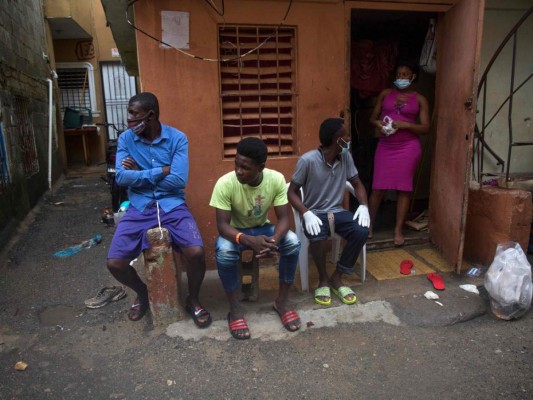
76,353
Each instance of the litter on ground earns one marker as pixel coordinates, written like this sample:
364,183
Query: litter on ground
71,250
431,295
470,288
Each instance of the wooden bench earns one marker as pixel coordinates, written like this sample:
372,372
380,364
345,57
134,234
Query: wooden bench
249,272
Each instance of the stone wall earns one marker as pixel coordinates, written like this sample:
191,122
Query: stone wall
24,72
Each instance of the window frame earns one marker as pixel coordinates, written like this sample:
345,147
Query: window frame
92,90
229,140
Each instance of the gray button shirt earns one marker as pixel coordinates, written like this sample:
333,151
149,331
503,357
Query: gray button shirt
323,185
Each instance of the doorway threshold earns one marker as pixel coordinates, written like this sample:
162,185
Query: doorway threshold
411,239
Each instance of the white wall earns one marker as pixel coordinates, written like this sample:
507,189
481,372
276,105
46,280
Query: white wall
500,17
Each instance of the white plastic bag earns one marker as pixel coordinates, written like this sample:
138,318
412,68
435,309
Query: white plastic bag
428,56
508,282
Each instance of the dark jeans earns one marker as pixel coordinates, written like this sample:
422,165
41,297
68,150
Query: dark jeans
350,230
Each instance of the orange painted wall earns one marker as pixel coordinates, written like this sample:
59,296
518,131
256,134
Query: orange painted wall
188,89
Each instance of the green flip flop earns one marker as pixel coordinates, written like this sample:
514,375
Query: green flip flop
344,291
323,292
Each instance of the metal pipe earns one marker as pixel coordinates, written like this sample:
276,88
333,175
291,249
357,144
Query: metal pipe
482,133
50,110
510,110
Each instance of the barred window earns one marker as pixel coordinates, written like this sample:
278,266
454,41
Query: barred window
23,121
76,81
258,90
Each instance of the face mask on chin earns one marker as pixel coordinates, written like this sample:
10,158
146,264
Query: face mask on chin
345,146
402,83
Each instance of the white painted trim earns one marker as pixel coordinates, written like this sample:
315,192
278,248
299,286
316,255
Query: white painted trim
92,90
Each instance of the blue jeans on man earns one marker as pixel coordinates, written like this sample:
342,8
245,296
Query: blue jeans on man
228,256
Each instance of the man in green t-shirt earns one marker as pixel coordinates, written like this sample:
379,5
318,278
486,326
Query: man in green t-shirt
242,199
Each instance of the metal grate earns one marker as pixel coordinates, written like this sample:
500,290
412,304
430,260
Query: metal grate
27,137
257,91
5,177
119,87
75,88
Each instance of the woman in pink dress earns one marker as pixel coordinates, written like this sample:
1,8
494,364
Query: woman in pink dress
403,117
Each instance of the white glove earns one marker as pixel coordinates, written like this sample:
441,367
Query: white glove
363,215
312,223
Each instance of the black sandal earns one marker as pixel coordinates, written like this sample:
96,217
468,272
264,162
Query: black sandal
196,313
137,310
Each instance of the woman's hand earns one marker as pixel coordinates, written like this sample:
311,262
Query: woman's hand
401,125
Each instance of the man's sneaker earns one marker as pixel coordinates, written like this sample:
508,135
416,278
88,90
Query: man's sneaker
105,296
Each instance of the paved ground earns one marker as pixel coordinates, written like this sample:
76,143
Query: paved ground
394,344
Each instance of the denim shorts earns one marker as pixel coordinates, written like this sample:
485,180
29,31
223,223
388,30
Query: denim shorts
130,235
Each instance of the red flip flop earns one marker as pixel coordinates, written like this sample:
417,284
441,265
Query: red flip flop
238,325
289,319
437,281
405,267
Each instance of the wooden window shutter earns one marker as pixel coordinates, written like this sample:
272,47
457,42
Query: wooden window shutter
257,91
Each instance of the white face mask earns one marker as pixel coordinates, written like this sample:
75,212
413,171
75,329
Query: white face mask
402,83
345,146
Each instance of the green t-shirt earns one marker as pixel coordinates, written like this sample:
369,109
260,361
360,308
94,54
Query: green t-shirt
249,205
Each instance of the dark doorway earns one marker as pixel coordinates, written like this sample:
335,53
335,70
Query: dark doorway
378,40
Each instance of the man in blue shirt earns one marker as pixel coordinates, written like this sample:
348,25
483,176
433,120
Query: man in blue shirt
153,162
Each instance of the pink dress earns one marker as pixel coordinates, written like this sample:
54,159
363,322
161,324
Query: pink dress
397,156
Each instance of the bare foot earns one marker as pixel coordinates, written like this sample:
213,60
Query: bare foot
399,240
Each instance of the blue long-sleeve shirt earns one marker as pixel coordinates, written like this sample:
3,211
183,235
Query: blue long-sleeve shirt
150,183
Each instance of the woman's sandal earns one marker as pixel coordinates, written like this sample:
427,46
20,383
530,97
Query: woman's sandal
138,309
196,313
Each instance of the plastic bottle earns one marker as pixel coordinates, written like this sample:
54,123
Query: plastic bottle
87,244
124,206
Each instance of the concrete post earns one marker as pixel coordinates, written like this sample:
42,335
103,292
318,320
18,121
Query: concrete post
162,278
496,215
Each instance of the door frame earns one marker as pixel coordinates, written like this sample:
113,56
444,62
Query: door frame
116,94
449,242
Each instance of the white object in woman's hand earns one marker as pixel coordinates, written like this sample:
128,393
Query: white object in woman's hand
387,128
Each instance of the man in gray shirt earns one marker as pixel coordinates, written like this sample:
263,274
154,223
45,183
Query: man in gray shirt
322,174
